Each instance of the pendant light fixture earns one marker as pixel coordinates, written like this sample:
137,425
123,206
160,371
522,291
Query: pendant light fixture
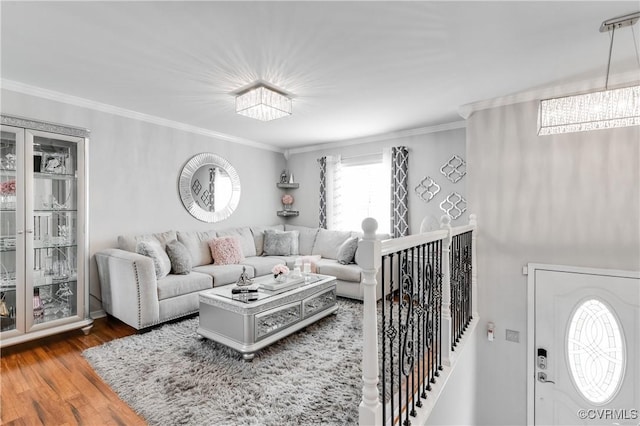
604,109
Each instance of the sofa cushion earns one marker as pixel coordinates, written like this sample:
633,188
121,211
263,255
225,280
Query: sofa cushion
153,249
224,274
279,243
307,237
328,242
197,243
130,242
263,265
245,237
341,272
226,250
177,285
258,236
347,251
179,257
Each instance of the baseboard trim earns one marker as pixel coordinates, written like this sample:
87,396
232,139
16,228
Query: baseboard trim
98,314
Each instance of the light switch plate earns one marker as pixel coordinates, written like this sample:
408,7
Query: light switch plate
512,336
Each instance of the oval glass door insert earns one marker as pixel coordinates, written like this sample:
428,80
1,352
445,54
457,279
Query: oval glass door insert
595,351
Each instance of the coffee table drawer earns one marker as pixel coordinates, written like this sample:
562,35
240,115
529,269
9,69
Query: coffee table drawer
318,302
271,321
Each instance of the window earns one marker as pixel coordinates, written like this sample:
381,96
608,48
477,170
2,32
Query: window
361,188
595,351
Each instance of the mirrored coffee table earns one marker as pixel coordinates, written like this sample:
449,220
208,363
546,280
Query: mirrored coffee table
249,322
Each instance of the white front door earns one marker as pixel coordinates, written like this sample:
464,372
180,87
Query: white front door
585,348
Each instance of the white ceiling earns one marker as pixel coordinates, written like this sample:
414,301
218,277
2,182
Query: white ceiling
356,69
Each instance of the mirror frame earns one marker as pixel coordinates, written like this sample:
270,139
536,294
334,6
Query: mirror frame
184,187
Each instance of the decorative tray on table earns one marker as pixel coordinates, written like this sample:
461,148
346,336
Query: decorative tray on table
289,283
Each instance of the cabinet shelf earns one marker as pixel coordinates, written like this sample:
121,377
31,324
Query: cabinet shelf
56,176
37,245
55,211
288,185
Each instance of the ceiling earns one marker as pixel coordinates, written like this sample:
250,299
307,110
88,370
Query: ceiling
356,69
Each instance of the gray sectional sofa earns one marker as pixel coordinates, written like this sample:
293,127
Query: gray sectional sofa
132,293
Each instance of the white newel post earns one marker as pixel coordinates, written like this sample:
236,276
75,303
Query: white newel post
474,270
445,223
368,257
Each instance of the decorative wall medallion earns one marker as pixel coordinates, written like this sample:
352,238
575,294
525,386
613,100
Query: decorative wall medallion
454,169
454,205
427,189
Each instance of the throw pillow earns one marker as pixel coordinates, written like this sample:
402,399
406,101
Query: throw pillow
179,257
277,243
347,251
153,249
226,251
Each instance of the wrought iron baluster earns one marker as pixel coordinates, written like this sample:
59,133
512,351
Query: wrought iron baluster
438,304
383,340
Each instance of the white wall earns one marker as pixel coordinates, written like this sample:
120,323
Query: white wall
427,153
457,403
134,169
565,199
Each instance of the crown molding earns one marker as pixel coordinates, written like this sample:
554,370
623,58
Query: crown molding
16,86
537,94
381,137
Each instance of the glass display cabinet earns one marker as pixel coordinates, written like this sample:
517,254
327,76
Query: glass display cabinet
43,230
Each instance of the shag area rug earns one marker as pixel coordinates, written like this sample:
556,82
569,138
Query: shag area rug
170,377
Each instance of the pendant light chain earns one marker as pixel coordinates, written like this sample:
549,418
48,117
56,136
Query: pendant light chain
635,44
613,34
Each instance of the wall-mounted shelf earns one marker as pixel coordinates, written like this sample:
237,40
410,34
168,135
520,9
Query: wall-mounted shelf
288,213
288,185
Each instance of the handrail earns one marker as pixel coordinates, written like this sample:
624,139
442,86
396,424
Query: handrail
462,229
397,244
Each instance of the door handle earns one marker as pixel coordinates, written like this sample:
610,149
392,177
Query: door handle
542,378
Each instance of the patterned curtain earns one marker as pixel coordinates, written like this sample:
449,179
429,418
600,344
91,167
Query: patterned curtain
323,192
399,193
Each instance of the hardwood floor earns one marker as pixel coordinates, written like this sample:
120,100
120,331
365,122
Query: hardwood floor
48,382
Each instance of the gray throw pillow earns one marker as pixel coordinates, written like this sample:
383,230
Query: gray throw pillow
179,257
277,243
347,251
154,250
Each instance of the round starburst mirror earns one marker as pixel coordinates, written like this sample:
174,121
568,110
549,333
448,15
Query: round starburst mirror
209,187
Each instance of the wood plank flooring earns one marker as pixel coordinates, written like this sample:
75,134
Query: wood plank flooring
48,382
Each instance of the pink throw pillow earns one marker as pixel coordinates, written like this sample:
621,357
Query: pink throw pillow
226,251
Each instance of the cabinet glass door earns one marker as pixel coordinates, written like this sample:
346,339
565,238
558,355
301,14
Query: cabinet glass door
52,258
10,167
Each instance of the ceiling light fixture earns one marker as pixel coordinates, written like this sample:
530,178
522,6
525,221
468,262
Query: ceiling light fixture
604,109
263,103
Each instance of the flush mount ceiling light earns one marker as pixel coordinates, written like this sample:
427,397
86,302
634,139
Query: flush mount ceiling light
263,103
604,109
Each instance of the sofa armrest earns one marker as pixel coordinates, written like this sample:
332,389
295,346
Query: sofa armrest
129,287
